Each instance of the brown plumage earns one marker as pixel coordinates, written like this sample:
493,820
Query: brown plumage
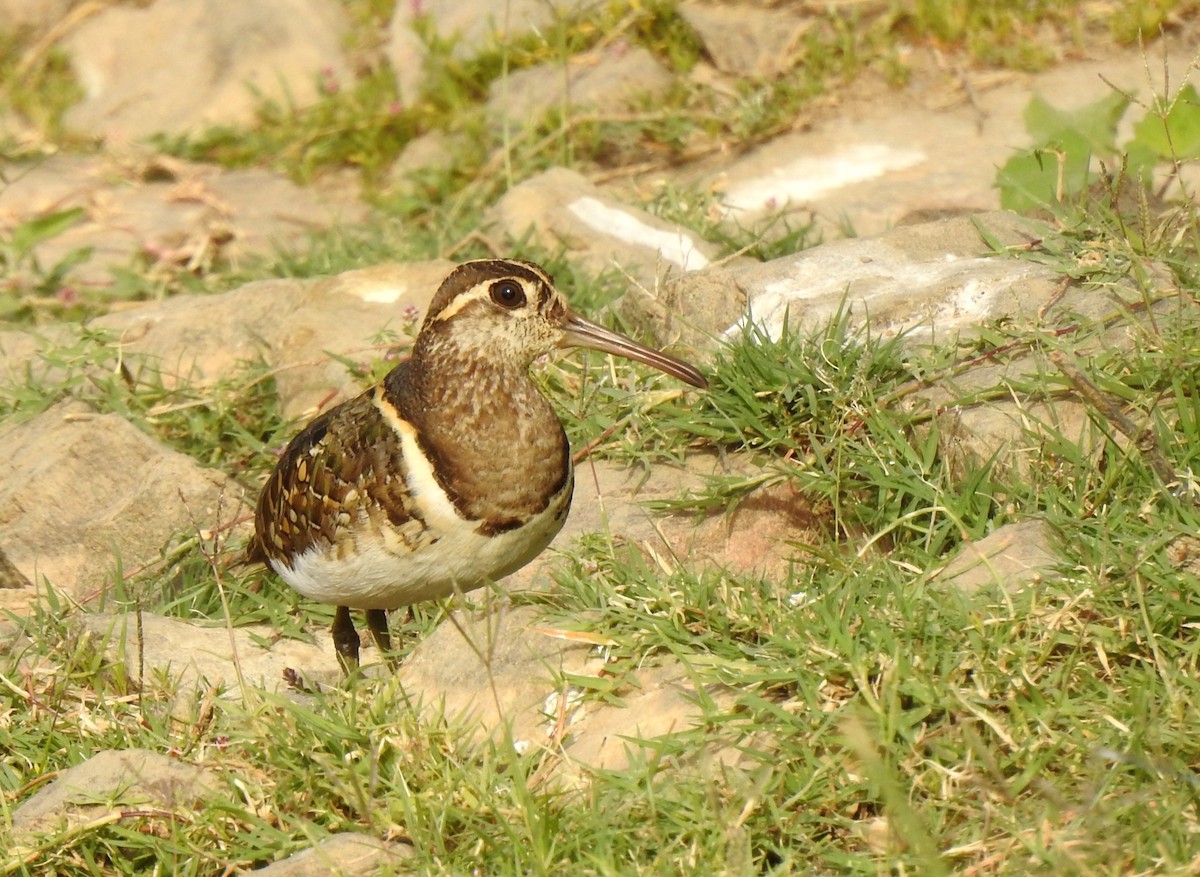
451,472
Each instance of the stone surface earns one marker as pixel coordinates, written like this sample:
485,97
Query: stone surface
1010,558
603,80
562,209
131,59
199,657
202,338
747,40
162,215
470,25
10,576
82,492
500,672
35,15
758,536
108,784
931,282
874,156
343,855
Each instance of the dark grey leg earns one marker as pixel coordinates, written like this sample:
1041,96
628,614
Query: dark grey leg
345,640
377,621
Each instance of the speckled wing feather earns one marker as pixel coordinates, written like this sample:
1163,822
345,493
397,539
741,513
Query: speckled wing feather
346,465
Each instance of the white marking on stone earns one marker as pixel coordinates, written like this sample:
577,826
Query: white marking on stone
808,178
676,247
381,295
939,294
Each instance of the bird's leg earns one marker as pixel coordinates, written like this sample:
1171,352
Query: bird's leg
345,639
377,621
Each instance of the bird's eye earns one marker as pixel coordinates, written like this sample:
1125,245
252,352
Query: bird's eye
508,294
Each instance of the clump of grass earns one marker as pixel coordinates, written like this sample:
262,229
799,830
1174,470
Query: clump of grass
230,424
36,82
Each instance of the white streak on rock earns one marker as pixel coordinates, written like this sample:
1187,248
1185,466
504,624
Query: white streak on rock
674,246
810,177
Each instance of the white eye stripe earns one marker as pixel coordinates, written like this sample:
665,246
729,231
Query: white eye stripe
481,292
473,294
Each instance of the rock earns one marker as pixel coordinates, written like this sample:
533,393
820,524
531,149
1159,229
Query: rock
660,700
747,40
196,657
933,282
501,673
562,209
172,215
37,16
470,25
1012,434
107,786
602,80
345,315
1010,558
82,492
490,671
293,325
346,855
758,536
10,576
428,155
874,156
177,66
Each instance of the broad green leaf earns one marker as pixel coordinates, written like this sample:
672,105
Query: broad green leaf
1030,178
1140,161
1094,125
1174,134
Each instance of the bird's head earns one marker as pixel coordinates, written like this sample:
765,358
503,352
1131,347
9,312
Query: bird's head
509,312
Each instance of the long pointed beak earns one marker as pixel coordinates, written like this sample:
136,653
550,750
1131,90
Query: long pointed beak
581,332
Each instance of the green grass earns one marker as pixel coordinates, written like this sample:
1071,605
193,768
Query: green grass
884,722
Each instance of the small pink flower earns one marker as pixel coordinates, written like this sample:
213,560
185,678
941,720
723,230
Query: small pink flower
67,295
329,81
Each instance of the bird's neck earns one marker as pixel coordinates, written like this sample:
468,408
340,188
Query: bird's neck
496,444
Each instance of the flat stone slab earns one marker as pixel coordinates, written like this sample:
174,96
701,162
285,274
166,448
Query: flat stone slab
604,81
505,673
345,855
133,61
875,156
165,215
745,39
81,493
562,209
1010,558
300,328
470,25
106,786
195,656
931,282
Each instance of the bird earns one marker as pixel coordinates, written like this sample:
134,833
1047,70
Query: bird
451,472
